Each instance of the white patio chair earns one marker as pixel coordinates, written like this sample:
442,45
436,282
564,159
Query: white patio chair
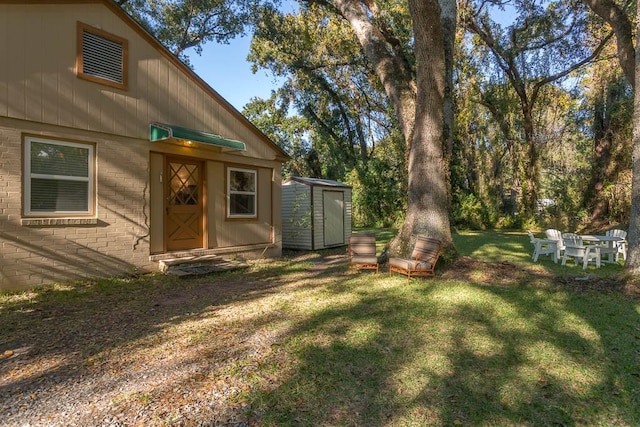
543,247
574,248
553,234
619,246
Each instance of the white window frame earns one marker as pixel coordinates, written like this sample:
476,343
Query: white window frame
28,176
253,193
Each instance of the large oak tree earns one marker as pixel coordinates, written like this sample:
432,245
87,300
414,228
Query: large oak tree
616,16
417,96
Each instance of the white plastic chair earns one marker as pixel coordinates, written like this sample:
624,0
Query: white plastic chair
553,234
620,246
574,248
543,247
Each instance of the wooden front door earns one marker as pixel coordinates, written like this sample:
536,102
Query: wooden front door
184,224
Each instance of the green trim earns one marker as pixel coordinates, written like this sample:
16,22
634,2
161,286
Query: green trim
161,132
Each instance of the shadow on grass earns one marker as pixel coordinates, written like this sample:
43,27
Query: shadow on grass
351,348
445,353
70,334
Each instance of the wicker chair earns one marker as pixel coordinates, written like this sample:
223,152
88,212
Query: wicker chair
362,251
423,259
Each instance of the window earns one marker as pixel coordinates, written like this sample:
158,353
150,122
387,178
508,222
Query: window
58,177
102,57
241,193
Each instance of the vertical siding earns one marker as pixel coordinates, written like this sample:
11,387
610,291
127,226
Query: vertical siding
318,218
296,216
303,227
39,83
4,64
347,214
215,202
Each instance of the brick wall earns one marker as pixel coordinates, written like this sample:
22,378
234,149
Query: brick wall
36,252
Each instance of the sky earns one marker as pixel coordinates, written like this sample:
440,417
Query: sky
226,70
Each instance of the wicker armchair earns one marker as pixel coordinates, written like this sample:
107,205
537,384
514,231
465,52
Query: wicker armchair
362,251
423,259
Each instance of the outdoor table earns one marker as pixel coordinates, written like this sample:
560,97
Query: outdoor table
609,240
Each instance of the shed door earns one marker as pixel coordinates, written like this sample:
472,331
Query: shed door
184,225
333,202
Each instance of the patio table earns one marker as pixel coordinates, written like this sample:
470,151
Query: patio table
609,249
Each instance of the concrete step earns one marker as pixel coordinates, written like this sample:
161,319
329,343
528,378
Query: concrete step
199,265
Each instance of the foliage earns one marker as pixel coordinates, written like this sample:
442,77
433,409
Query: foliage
544,44
185,24
469,212
379,187
333,116
327,82
618,197
290,131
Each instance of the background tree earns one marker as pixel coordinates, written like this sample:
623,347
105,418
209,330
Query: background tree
617,16
184,24
383,65
542,46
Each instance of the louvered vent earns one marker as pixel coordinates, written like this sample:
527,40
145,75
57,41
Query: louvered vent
102,58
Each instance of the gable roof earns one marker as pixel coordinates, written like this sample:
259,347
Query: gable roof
281,155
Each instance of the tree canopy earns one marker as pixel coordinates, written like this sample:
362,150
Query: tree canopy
531,123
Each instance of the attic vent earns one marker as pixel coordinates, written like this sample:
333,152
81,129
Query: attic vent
102,57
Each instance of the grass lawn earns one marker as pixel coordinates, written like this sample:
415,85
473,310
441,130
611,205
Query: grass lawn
298,342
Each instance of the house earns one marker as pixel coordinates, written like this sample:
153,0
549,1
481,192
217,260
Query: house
316,213
114,155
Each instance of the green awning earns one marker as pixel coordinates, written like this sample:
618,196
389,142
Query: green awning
161,132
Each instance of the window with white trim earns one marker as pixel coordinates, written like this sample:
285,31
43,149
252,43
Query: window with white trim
59,178
102,57
241,193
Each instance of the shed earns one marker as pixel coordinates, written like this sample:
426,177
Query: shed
316,213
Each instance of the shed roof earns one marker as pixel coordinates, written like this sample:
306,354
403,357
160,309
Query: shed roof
318,182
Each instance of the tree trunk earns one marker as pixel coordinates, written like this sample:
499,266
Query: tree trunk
532,173
448,19
603,142
427,211
617,18
633,256
419,108
396,79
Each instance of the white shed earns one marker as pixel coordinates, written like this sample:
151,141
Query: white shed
316,213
